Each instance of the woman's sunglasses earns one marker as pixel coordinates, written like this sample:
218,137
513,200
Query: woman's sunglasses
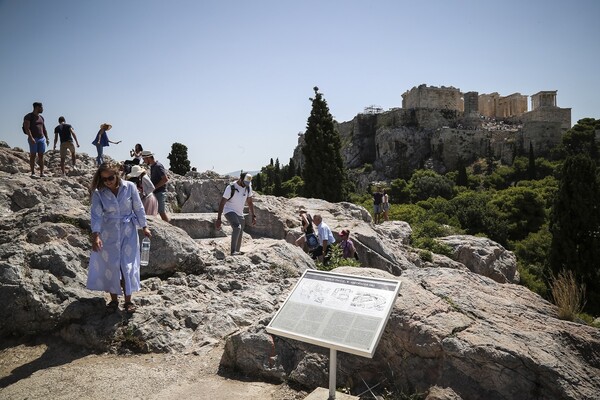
108,178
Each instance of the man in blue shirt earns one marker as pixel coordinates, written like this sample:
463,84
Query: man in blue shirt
326,239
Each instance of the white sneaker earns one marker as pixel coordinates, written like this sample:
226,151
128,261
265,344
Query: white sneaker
42,175
33,175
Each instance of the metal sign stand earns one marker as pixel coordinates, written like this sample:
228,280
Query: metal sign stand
332,372
339,312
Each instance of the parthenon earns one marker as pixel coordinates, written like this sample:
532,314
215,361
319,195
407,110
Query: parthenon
491,105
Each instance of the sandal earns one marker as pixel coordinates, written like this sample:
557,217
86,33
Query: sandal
129,307
113,305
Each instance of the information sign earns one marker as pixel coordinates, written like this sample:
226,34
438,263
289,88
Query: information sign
338,311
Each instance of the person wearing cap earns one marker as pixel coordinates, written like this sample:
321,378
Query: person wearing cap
37,136
145,187
67,134
326,239
159,178
348,249
235,197
101,141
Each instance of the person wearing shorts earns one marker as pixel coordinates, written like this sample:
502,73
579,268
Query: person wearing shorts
377,205
67,134
158,176
37,137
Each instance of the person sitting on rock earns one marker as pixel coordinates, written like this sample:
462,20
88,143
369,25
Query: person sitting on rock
326,239
348,249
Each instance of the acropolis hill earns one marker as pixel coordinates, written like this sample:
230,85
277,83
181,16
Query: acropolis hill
437,126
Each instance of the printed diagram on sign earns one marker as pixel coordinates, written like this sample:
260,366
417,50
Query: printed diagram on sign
368,301
318,293
342,294
343,297
314,292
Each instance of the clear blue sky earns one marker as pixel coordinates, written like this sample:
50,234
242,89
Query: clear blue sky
232,79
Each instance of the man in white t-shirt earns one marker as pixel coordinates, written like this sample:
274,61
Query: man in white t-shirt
235,197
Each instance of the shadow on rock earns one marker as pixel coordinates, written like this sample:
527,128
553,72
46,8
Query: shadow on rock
57,353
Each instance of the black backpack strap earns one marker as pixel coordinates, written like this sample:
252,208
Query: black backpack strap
233,190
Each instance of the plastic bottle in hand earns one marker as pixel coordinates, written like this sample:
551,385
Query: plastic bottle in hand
145,257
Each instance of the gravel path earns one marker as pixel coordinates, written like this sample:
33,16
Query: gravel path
57,371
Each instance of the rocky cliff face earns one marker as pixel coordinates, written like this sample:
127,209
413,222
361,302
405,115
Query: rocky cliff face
399,141
459,323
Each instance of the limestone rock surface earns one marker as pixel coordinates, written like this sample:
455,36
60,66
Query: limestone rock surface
459,323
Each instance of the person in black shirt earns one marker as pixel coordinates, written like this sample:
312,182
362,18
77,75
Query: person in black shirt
37,136
377,206
67,134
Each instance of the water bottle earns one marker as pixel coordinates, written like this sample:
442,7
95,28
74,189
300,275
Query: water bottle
145,257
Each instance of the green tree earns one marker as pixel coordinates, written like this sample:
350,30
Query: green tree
521,209
581,138
425,183
399,191
324,174
277,191
531,173
257,182
178,159
472,212
462,179
575,226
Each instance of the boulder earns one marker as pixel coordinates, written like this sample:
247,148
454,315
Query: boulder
457,330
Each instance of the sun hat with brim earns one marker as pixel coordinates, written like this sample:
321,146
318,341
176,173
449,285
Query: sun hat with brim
147,153
136,171
105,126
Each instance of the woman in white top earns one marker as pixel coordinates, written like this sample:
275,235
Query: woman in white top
136,153
385,205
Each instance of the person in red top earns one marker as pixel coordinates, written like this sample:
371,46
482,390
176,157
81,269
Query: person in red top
37,136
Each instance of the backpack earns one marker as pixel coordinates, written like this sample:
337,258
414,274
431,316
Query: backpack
311,241
234,189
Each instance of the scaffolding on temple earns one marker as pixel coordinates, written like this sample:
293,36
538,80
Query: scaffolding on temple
373,109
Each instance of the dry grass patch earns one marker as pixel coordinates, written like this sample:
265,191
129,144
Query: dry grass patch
568,295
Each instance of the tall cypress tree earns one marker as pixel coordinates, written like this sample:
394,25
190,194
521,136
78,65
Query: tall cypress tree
462,179
178,159
531,172
324,174
575,226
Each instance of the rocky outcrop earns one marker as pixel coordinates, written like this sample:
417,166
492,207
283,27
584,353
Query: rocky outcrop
451,328
398,141
484,257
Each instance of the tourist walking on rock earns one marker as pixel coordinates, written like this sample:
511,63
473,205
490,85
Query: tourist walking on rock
159,178
116,214
385,206
37,136
377,209
309,237
326,239
235,197
67,134
145,187
101,141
